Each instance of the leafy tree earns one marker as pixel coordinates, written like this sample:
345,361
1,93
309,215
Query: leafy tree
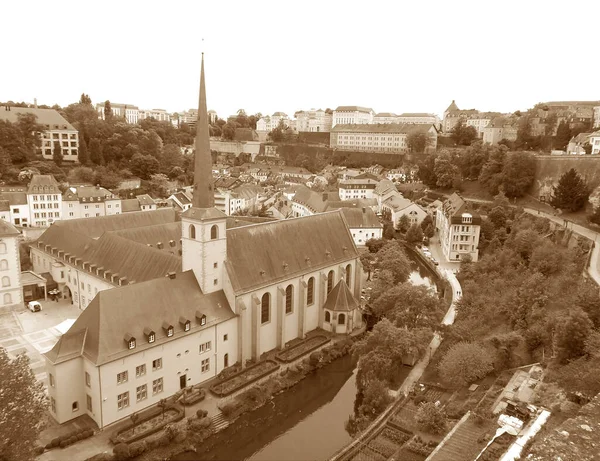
82,153
393,258
414,234
403,223
426,171
427,221
108,112
418,141
367,259
431,418
277,134
374,245
158,185
462,134
563,135
491,172
472,159
23,404
85,99
518,174
144,166
497,217
57,156
5,162
228,132
464,363
445,171
22,138
96,154
580,375
572,335
595,216
571,193
81,174
106,178
171,157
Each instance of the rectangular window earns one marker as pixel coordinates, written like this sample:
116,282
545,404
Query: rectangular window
88,402
141,392
123,400
225,337
88,379
157,386
205,365
53,404
156,364
140,370
205,347
51,379
122,377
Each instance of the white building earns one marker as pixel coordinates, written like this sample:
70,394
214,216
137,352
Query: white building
14,200
89,201
385,117
419,118
140,203
313,121
44,199
479,122
363,223
230,296
382,138
58,130
399,206
350,189
130,112
10,265
158,114
269,123
458,229
352,115
594,140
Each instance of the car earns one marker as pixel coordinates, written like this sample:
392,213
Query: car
425,249
434,261
34,306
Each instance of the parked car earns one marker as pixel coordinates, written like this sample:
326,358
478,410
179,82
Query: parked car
434,261
34,306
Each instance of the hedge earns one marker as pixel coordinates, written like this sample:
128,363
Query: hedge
274,368
321,341
195,396
152,413
69,438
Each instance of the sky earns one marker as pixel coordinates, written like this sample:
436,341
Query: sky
267,56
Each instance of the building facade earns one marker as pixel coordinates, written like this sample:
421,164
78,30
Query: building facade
381,138
419,118
458,230
11,291
157,114
45,200
352,115
313,121
351,189
385,117
89,201
129,112
269,123
594,140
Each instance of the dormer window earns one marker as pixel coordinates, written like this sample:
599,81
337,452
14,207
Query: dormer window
150,335
130,340
169,330
201,318
185,323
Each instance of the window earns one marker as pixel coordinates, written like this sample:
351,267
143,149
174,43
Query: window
327,316
341,319
310,291
75,407
215,281
88,402
88,379
140,370
122,377
51,379
348,274
170,331
89,288
225,360
289,295
141,392
157,386
205,365
205,347
53,404
156,364
225,337
330,281
192,232
265,308
5,281
123,400
3,265
2,248
214,232
215,265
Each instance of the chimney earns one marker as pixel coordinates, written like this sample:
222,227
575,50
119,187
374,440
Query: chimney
172,275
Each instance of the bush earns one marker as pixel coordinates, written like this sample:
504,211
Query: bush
63,444
419,398
121,451
431,418
201,413
465,363
38,450
137,448
454,410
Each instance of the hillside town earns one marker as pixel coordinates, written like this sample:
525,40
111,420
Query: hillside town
311,282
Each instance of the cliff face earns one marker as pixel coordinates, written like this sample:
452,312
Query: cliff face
548,170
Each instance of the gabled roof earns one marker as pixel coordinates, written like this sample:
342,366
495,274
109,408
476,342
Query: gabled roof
452,107
14,198
49,117
581,138
145,199
353,109
40,181
183,198
384,186
363,217
315,201
152,235
98,334
263,254
455,206
80,192
130,205
398,203
340,299
7,229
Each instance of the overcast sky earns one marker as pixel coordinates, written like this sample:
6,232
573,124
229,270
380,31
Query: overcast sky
266,56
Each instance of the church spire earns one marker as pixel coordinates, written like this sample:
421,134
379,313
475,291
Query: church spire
203,196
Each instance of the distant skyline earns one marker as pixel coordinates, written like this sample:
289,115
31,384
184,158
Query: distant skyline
268,56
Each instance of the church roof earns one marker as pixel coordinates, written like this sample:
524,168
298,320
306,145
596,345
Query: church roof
153,235
100,331
203,213
264,254
340,299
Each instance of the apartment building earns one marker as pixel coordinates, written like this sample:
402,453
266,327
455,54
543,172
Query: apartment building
381,138
458,229
158,114
130,112
351,189
268,123
313,120
57,130
86,201
45,200
10,265
385,117
500,128
352,115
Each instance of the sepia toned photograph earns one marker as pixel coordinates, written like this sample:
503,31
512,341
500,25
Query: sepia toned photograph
310,231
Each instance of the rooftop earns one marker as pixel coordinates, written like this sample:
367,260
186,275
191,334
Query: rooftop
354,109
403,128
47,117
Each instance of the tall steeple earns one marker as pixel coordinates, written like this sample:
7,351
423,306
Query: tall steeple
203,196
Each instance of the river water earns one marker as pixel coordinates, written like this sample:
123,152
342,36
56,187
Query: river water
304,423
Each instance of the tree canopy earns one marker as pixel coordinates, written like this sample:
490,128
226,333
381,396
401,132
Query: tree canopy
571,193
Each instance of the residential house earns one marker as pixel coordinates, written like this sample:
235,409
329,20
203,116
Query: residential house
357,188
577,143
381,138
18,206
269,123
352,115
313,121
180,201
140,203
458,229
44,199
398,206
85,201
363,223
57,130
10,265
383,191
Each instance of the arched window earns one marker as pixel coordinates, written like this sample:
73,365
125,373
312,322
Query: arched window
341,319
7,298
327,316
289,299
225,360
2,248
214,232
192,232
5,282
348,274
329,281
310,291
265,308
3,265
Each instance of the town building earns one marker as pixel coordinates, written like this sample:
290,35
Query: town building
157,114
15,200
398,206
313,121
140,203
350,189
44,199
180,200
352,115
88,201
385,117
498,129
57,130
594,140
577,144
381,138
363,223
165,319
453,114
10,265
129,112
269,123
419,118
458,229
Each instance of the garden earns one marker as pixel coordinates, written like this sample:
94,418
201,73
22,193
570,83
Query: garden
243,378
150,422
308,345
192,395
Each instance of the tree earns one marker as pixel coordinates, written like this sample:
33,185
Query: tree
518,174
57,153
464,363
23,403
374,245
392,257
414,234
367,259
571,193
81,174
426,171
85,99
144,166
162,404
96,155
228,132
491,172
418,141
134,419
171,157
572,334
108,112
403,223
595,216
158,185
497,217
82,153
277,134
563,135
445,171
463,135
5,162
431,418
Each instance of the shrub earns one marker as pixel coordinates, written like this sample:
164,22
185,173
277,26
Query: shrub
465,363
431,418
72,440
121,451
454,410
137,448
201,413
419,398
163,440
63,444
38,450
314,359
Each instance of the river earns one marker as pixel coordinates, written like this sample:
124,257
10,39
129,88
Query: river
304,423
